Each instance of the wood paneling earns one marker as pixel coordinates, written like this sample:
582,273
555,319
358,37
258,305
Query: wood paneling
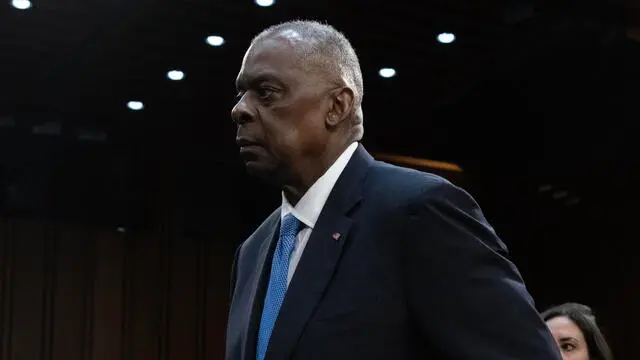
72,292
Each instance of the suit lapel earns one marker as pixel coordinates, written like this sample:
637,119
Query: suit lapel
320,257
259,282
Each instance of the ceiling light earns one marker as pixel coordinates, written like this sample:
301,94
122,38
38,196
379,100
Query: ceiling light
135,105
265,3
175,75
545,188
21,4
387,72
573,201
215,40
48,128
559,195
446,38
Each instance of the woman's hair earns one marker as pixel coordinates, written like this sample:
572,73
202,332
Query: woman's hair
584,318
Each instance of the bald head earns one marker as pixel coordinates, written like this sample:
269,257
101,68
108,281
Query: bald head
322,48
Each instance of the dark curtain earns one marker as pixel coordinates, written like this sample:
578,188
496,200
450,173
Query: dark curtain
72,292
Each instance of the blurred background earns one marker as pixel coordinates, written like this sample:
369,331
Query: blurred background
122,198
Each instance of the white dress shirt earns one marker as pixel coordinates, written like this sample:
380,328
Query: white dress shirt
308,209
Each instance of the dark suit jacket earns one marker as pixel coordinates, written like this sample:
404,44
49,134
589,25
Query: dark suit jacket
417,273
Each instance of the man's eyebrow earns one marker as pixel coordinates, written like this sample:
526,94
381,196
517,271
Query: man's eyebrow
244,81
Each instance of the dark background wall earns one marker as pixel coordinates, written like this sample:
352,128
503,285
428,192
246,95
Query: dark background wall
72,292
536,100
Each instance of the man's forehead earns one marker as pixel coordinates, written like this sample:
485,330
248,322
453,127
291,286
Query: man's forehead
266,53
269,56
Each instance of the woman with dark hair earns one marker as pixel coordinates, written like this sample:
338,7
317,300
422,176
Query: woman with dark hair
575,330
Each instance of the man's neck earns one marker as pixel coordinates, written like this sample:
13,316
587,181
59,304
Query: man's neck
313,170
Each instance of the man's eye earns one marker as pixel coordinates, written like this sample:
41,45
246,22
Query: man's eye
266,92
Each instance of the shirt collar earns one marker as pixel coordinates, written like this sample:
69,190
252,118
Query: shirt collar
308,209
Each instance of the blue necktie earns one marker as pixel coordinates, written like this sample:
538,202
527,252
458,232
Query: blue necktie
289,229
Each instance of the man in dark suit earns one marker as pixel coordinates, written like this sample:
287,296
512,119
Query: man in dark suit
363,260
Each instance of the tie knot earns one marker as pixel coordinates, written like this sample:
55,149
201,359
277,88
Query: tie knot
290,226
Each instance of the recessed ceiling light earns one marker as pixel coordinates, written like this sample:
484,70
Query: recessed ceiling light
215,40
446,38
387,72
545,188
135,105
175,75
573,201
265,3
21,4
559,195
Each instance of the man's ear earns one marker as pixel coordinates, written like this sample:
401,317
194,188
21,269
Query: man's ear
342,103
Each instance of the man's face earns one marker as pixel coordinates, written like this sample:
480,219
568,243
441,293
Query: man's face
281,110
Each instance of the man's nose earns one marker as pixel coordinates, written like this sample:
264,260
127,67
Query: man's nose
241,112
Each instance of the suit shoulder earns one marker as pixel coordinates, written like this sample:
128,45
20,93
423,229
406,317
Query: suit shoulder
261,234
405,183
